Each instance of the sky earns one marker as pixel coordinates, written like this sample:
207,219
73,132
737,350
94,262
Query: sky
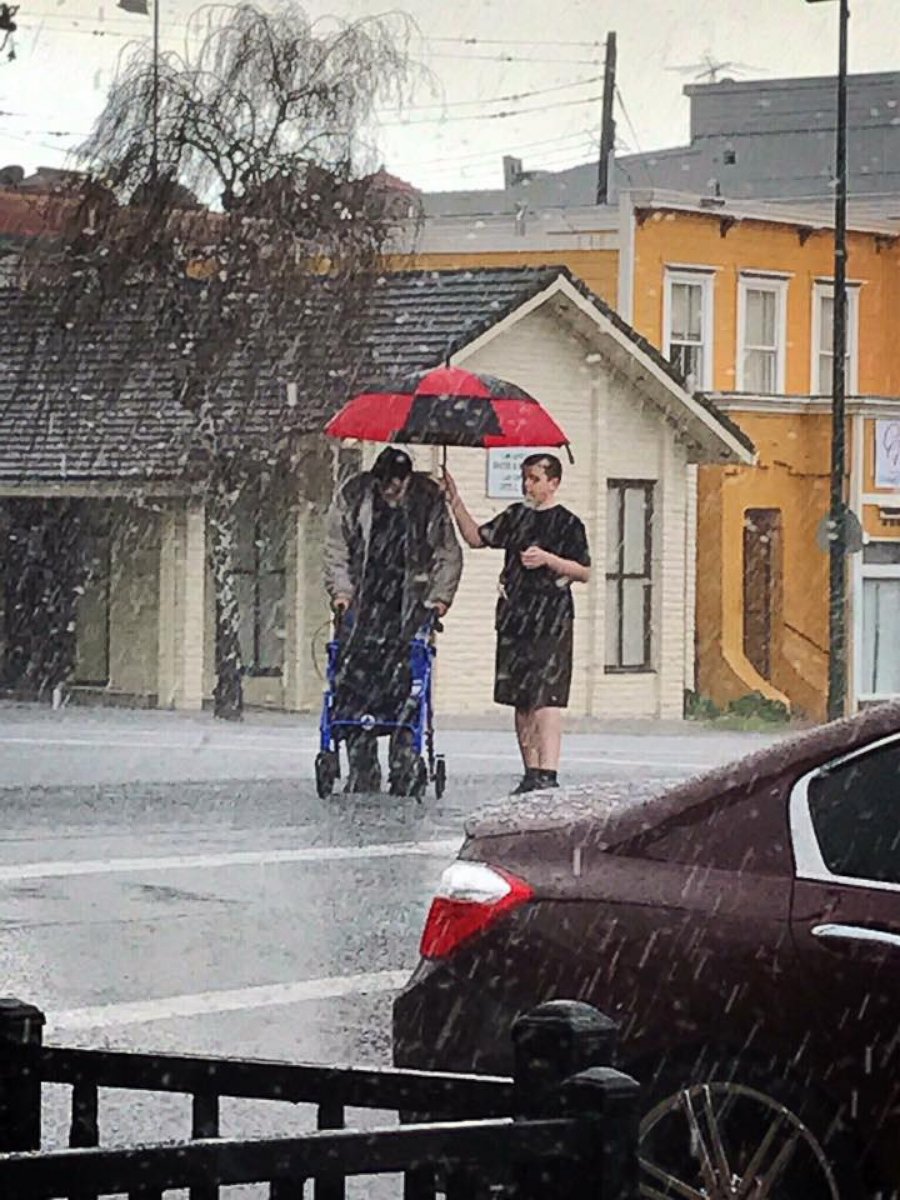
479,53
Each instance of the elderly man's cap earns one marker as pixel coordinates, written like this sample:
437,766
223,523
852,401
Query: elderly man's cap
392,464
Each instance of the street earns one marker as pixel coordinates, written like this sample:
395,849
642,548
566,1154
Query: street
169,882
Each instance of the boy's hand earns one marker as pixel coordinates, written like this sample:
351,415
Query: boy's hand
534,557
449,488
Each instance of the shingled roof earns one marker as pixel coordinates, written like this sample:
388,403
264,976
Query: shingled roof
101,402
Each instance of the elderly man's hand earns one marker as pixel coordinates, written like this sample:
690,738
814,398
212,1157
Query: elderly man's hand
340,604
439,607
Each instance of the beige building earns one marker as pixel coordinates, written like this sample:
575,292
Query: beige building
141,626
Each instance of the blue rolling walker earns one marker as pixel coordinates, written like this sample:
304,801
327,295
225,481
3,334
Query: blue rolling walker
419,763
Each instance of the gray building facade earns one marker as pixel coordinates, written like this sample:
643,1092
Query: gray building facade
752,139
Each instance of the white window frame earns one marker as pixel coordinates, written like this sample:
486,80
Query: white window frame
703,277
823,288
870,571
751,281
647,577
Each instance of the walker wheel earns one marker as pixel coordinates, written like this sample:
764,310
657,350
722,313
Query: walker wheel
327,772
440,776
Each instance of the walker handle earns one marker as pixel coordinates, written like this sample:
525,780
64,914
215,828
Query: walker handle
433,623
340,614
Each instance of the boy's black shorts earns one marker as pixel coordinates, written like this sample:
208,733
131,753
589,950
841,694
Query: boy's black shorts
534,672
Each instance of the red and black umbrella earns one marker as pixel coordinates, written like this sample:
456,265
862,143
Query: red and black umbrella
447,406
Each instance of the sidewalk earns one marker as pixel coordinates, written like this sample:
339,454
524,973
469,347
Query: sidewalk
497,719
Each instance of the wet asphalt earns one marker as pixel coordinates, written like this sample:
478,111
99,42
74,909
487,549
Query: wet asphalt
171,883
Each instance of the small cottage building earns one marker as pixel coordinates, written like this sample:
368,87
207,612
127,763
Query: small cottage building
105,583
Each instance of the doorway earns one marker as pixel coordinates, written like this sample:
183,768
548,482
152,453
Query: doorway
762,585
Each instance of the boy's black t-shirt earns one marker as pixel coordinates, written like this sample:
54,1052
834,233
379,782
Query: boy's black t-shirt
538,602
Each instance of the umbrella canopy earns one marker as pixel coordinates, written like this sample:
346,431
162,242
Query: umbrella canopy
447,406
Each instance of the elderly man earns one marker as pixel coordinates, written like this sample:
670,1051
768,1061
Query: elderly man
391,555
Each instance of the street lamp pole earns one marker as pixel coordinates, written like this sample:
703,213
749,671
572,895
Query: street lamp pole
837,517
837,559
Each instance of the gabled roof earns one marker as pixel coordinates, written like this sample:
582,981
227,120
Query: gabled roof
101,402
712,431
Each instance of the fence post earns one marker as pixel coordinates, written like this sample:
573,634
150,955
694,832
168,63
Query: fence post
608,1103
20,1084
551,1044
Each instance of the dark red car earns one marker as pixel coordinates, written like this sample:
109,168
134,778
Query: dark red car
743,928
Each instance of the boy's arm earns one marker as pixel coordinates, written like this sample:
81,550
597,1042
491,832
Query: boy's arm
465,522
568,568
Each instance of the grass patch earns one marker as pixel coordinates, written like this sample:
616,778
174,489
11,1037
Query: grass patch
751,713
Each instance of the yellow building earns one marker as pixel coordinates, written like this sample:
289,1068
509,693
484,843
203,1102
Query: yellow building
739,296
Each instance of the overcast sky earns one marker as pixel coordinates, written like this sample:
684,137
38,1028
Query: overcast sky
67,50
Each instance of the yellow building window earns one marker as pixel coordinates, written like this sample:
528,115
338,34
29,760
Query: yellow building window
687,324
822,340
761,335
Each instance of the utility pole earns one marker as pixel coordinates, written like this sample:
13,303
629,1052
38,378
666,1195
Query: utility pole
837,514
837,559
154,153
608,126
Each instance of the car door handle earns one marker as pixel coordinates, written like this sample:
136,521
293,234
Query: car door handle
856,933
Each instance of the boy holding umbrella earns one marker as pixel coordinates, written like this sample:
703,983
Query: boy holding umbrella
546,550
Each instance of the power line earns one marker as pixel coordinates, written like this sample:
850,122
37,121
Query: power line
513,97
20,137
479,41
111,17
497,116
85,32
637,143
582,142
460,41
55,133
490,154
514,58
171,22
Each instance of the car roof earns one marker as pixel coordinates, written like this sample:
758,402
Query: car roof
623,813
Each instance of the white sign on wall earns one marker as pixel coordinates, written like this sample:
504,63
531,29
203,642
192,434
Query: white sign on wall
887,453
504,470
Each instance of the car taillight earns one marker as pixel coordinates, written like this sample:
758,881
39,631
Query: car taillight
470,897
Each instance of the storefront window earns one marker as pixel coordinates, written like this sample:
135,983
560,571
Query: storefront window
880,667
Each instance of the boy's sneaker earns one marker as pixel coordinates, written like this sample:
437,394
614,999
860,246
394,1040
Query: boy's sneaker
528,782
546,779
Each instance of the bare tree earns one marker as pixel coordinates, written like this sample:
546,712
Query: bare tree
219,189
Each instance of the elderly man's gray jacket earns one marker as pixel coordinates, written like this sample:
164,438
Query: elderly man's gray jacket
433,555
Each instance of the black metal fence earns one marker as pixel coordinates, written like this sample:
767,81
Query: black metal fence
563,1128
